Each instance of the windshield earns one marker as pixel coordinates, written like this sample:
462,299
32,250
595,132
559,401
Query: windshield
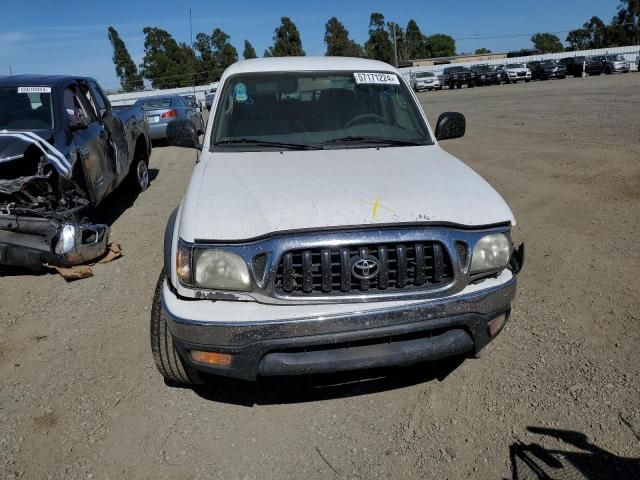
316,109
515,65
155,103
616,58
26,108
424,74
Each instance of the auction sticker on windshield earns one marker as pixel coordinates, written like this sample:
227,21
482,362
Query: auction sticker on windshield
34,89
376,78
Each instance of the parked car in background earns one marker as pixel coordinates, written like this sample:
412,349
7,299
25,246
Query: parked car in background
576,65
614,64
259,281
192,101
456,77
501,71
164,109
546,69
208,98
63,151
425,81
485,75
517,72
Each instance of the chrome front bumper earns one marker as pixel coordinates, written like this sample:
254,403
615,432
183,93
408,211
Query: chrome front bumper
253,343
30,242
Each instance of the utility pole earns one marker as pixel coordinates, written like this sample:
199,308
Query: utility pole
193,70
395,44
10,71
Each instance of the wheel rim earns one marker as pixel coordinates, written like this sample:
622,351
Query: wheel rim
143,175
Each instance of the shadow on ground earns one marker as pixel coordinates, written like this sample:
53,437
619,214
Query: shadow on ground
312,388
119,202
582,460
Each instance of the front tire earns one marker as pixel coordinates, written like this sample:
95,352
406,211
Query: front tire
165,355
139,174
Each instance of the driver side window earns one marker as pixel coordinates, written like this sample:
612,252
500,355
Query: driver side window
76,110
89,102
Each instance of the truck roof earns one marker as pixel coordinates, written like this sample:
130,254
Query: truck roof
297,64
37,80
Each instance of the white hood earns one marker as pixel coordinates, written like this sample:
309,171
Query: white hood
237,196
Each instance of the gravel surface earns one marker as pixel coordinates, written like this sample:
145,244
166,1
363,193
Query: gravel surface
558,391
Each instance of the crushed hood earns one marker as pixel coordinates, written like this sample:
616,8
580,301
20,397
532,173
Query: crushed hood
236,196
13,145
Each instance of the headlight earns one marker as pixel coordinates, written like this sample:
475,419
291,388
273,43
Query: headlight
220,270
491,252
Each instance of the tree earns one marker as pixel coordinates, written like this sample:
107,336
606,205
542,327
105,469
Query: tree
440,45
126,70
547,43
414,41
336,37
286,40
578,39
249,51
379,46
224,53
215,54
167,64
625,26
482,51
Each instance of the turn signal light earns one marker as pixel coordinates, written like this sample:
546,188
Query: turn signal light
211,358
169,114
496,324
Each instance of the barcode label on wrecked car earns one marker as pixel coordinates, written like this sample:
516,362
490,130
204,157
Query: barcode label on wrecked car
376,78
34,89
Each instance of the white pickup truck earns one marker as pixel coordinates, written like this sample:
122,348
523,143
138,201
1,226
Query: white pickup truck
324,229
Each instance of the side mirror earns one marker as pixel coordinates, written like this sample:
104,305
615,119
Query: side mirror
182,133
78,124
450,125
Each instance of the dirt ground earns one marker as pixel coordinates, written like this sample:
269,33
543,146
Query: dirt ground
558,391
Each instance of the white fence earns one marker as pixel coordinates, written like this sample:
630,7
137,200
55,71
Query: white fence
130,98
630,53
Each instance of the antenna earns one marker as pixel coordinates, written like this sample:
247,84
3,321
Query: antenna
193,70
395,44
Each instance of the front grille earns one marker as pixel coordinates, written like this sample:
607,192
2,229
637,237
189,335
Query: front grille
333,271
522,74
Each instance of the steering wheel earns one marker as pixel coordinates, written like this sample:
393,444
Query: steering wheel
362,116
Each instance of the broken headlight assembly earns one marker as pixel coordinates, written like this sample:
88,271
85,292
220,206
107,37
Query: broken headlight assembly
211,268
491,253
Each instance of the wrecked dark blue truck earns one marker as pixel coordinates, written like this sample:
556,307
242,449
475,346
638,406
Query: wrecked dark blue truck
63,151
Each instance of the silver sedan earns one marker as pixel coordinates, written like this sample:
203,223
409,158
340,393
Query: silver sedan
159,111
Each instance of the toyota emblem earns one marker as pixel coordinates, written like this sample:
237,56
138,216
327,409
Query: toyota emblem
365,268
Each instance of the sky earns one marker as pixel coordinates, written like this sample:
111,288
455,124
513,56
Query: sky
62,37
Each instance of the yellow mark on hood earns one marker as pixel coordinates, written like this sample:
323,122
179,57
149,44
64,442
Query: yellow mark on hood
376,205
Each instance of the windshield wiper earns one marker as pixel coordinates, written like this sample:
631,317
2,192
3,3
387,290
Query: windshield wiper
266,143
374,140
